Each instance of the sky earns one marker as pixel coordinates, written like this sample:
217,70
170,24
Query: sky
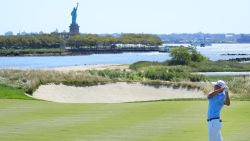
127,16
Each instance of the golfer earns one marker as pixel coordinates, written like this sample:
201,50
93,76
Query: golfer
217,99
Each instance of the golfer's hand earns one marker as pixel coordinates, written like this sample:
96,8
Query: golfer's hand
226,89
218,91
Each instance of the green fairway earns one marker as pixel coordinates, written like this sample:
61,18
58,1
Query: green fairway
12,93
30,120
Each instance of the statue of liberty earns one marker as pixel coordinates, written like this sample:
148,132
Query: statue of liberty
74,14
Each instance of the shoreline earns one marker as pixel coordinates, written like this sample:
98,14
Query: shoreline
74,53
77,67
90,67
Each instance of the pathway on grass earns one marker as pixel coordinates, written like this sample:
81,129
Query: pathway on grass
224,73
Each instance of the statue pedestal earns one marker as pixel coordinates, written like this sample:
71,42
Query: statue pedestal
74,29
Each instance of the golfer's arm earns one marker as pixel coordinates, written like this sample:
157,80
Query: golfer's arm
227,99
210,95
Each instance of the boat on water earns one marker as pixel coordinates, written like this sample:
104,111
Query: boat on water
201,44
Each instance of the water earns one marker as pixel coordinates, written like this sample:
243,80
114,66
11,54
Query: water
62,61
213,52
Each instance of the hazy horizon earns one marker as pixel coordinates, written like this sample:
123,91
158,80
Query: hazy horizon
127,16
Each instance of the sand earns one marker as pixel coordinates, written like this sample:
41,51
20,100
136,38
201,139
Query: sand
111,93
91,67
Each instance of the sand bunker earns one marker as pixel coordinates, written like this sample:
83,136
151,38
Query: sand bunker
111,93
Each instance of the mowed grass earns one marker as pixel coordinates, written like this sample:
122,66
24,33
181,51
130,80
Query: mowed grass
22,120
7,92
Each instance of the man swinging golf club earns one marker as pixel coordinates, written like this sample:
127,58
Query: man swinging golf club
217,99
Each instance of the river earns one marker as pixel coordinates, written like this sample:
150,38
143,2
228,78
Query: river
213,52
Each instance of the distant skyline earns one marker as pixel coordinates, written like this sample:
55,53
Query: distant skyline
127,16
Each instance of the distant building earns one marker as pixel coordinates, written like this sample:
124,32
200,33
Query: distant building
26,33
188,38
230,38
33,33
9,33
244,38
56,31
23,33
41,33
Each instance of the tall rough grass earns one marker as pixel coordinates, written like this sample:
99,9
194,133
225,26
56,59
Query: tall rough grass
180,74
240,87
220,66
204,66
151,73
30,80
144,64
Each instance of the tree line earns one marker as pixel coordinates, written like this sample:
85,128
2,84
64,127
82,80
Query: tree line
82,40
93,40
30,41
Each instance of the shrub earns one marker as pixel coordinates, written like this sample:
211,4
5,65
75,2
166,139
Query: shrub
180,56
197,78
166,74
143,64
184,56
197,57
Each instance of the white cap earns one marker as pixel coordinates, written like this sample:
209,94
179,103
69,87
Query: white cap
219,83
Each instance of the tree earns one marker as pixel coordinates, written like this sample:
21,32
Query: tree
197,57
180,56
144,39
83,40
184,56
30,41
